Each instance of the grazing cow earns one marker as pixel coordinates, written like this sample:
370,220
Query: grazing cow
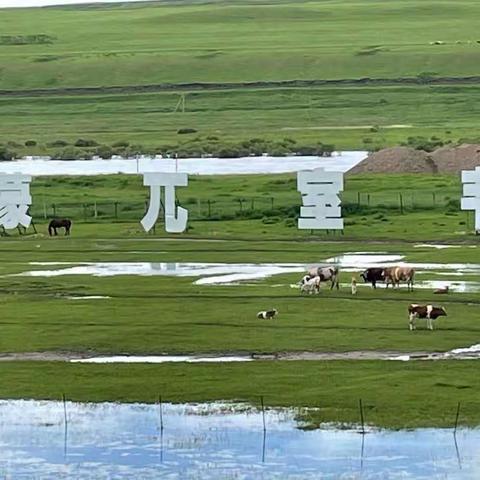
310,284
267,314
395,275
373,275
326,274
429,312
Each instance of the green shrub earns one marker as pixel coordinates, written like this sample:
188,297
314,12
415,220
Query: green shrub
70,153
104,151
184,131
57,144
30,143
85,142
6,154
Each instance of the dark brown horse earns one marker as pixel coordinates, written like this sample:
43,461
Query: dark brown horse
59,223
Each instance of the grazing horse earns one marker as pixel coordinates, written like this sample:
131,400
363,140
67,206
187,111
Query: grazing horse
326,274
59,223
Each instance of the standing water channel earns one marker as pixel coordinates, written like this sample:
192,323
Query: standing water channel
46,439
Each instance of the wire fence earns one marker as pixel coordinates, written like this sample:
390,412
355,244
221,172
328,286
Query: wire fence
246,207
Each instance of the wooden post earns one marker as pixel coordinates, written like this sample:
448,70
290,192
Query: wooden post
95,212
358,199
401,203
368,199
253,204
272,200
64,410
54,210
263,413
44,210
361,416
456,418
434,200
160,412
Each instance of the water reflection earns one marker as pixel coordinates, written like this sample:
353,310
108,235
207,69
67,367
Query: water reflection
215,442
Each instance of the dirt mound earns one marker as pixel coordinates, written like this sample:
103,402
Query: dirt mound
455,159
396,160
409,160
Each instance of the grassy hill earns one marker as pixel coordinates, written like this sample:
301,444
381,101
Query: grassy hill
401,47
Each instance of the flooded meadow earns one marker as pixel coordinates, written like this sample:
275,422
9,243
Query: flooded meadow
47,439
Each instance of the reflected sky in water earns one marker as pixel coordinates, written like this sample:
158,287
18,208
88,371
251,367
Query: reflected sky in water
214,442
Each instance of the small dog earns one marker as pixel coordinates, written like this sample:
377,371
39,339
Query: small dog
267,314
354,286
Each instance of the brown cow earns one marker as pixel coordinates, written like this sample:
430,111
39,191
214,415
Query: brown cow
429,312
395,275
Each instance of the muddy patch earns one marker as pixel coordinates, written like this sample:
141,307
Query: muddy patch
468,353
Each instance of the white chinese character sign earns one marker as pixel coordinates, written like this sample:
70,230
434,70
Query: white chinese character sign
321,203
175,217
471,193
14,200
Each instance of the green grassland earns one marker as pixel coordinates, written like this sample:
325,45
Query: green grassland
156,315
395,395
227,45
248,219
221,42
267,205
305,115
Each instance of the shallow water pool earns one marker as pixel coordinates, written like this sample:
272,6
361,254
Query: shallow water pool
215,441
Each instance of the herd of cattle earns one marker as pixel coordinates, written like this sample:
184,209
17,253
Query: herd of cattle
310,283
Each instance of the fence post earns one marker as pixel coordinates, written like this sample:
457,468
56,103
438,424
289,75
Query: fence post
368,199
54,210
116,209
44,210
434,200
95,212
209,208
253,204
240,201
272,201
361,416
358,199
456,418
401,203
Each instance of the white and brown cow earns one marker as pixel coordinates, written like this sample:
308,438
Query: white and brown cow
429,312
395,275
326,274
310,284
